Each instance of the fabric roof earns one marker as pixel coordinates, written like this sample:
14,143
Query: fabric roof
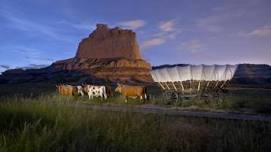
194,72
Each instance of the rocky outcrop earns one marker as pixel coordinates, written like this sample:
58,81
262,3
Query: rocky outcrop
111,54
113,69
109,43
107,55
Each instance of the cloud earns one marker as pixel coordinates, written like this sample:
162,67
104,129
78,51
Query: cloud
192,46
79,26
132,24
153,42
34,66
2,69
263,31
167,26
226,15
31,55
166,31
211,23
168,35
32,27
29,26
4,66
83,26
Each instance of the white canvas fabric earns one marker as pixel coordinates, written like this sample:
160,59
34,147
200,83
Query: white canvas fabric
173,73
184,73
208,72
233,70
164,75
194,72
230,71
154,77
220,72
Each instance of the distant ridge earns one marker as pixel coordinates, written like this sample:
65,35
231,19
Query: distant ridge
4,68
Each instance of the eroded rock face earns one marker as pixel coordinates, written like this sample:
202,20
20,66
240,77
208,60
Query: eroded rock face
106,55
113,69
109,43
111,54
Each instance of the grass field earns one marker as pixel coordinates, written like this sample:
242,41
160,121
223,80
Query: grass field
37,119
252,100
39,125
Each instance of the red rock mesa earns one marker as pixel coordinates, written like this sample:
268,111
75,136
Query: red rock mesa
111,54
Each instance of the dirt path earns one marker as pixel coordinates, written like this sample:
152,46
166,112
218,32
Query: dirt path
177,112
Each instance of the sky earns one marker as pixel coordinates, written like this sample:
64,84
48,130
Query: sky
39,32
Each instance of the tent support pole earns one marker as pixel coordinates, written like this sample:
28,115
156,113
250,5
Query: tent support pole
204,86
182,85
224,83
190,86
161,85
167,86
199,86
216,84
174,86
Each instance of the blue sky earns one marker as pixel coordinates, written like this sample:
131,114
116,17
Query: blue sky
168,31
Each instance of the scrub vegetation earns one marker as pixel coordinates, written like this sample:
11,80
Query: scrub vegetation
34,121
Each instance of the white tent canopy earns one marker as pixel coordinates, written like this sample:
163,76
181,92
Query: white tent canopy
219,72
208,72
174,74
194,72
164,75
184,73
230,71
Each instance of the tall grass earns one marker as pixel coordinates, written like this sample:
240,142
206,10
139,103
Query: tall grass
49,123
255,100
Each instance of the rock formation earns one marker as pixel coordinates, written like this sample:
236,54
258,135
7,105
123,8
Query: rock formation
111,54
106,55
109,43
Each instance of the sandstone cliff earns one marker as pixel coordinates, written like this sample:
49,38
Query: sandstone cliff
108,54
112,69
109,43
